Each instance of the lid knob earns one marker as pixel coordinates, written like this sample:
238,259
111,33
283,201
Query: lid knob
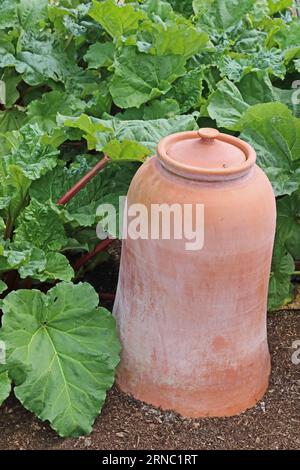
208,134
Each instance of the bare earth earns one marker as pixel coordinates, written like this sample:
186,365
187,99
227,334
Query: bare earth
127,424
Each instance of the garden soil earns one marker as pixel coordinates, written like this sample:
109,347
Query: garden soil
125,423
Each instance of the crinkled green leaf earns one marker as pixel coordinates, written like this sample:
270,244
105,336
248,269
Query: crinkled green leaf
221,14
117,20
69,349
179,39
260,12
107,186
44,111
256,87
268,60
85,239
184,7
31,156
9,140
100,101
31,13
40,59
46,266
158,9
234,68
228,103
59,135
11,119
288,223
36,263
41,226
166,108
71,18
288,39
275,134
8,17
57,267
284,180
250,41
84,83
160,109
8,88
139,77
126,150
96,132
156,109
7,59
187,90
280,288
200,6
100,55
148,133
5,385
13,189
277,5
14,256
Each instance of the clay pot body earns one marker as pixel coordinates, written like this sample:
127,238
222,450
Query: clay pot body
193,323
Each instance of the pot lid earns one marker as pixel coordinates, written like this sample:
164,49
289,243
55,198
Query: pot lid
206,154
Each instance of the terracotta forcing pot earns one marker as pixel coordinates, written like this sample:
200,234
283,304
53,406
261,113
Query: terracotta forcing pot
192,322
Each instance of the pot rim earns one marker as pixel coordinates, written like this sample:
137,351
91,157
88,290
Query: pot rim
201,173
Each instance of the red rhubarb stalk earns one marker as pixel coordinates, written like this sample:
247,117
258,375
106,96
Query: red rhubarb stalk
85,258
71,193
83,182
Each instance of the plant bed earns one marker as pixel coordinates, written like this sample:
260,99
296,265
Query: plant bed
128,424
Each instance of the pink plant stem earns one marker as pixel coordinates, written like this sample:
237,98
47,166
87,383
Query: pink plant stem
83,182
85,258
71,193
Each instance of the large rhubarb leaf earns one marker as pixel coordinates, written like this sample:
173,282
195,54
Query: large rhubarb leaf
5,384
275,134
139,77
68,349
229,101
221,14
40,225
44,111
288,38
117,20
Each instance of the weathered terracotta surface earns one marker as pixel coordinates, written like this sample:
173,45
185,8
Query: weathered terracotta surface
193,323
